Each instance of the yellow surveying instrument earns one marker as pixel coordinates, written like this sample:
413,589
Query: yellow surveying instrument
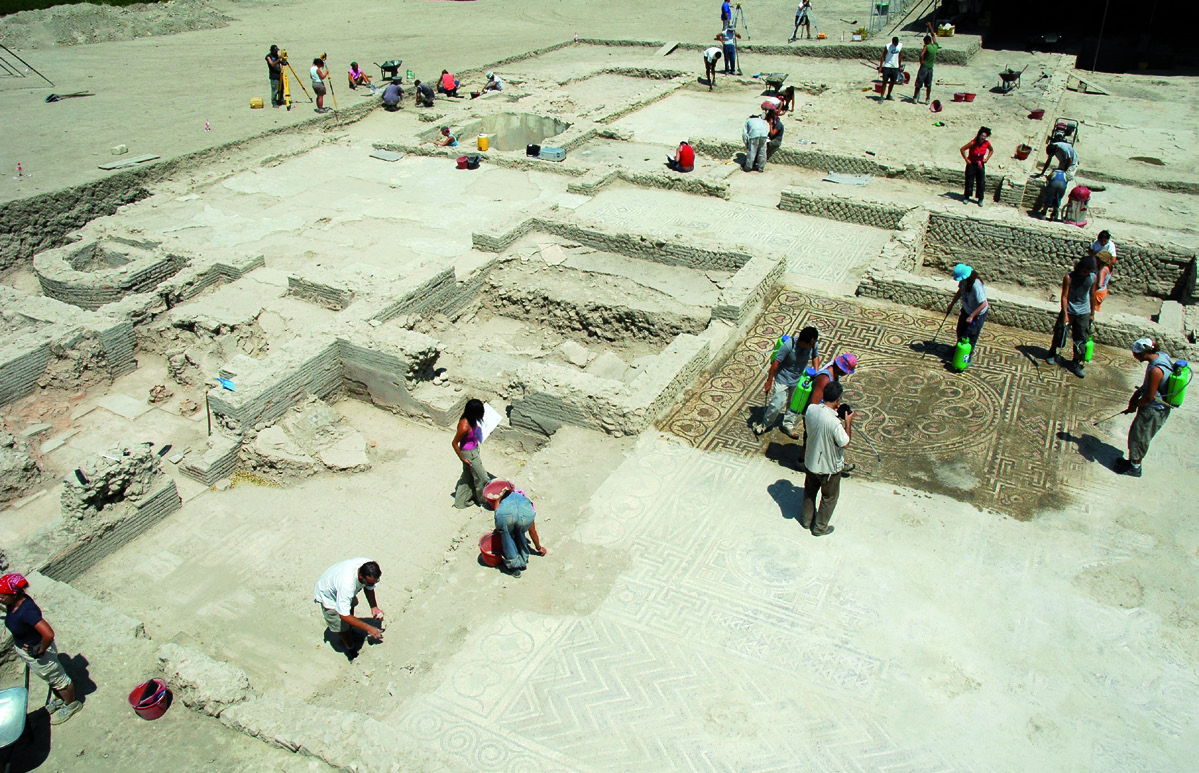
284,86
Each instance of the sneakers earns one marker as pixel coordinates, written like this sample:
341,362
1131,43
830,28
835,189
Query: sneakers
65,713
1078,369
1125,467
54,704
829,530
759,428
791,433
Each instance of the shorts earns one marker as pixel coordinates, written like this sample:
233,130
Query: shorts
47,667
318,89
890,75
924,78
802,19
333,620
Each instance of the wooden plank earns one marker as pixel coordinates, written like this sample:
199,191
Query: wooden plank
666,49
129,162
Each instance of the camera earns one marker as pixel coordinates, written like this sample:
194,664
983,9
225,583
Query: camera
843,410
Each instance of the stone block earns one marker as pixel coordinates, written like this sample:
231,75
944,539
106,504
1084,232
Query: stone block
202,683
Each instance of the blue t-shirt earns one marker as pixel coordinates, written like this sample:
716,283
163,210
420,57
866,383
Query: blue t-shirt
726,12
792,359
21,621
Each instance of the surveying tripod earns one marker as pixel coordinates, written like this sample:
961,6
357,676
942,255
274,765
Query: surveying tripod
738,18
284,96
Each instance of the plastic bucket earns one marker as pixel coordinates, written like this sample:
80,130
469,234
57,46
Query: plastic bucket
484,142
970,95
487,549
907,77
150,699
959,96
935,107
1023,151
1037,115
461,162
879,88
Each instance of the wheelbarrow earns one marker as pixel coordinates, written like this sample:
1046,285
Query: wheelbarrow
774,81
389,70
1068,128
1010,79
14,707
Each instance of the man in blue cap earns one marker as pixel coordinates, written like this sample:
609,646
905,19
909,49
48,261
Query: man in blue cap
974,305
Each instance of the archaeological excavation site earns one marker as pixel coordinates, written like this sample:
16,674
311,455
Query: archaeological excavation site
235,362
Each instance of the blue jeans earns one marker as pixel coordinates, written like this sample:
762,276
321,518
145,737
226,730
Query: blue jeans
513,518
730,58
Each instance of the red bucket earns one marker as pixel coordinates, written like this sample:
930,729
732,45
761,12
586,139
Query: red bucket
461,162
907,77
880,87
970,95
1022,151
959,96
150,699
487,549
1037,115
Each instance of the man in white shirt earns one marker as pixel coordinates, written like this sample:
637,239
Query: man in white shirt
711,57
890,65
755,135
337,593
1104,242
824,458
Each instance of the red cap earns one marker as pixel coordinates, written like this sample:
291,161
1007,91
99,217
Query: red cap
11,583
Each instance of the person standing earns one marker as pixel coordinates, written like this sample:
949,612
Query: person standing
1106,263
803,18
726,13
973,314
1066,155
924,76
711,57
754,135
728,38
274,67
514,515
318,73
976,153
1148,403
34,641
824,458
889,65
466,442
1078,304
336,593
786,369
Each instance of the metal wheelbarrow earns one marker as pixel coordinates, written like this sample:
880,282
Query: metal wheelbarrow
390,69
14,707
1010,79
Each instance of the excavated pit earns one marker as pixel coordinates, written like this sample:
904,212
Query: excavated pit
512,131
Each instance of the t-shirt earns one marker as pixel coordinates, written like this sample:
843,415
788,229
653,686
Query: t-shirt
892,57
776,126
338,586
21,621
728,36
391,94
802,10
275,68
355,74
725,11
755,127
1065,154
1097,247
930,55
793,358
449,84
824,451
453,144
496,83
1078,300
972,298
686,156
426,91
711,54
978,151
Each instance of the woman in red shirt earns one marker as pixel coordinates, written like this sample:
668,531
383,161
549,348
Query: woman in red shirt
976,153
684,158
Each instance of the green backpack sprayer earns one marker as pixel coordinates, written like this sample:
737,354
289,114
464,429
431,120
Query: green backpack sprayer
1176,384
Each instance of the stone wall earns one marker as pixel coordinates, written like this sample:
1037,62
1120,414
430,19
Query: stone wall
955,51
1038,254
218,460
1118,330
47,343
745,291
86,274
832,206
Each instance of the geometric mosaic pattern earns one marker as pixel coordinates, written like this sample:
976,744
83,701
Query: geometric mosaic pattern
991,436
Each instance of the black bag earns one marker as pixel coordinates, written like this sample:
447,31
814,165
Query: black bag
472,162
533,150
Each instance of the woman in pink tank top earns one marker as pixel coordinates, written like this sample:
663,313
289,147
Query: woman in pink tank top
466,445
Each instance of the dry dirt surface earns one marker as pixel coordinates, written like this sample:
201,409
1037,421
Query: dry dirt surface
72,25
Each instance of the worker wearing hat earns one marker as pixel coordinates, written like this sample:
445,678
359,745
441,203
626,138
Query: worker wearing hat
34,641
843,365
1148,403
357,76
973,296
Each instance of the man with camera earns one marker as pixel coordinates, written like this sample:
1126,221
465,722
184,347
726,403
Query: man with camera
824,457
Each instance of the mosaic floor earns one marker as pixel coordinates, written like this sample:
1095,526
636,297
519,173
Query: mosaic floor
998,436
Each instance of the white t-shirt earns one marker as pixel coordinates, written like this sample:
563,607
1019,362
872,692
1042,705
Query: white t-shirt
1097,248
824,452
338,586
892,59
497,82
710,54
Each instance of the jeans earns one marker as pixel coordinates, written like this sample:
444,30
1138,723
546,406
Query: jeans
512,522
730,59
971,331
1080,331
976,178
780,401
276,91
470,484
829,488
755,154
